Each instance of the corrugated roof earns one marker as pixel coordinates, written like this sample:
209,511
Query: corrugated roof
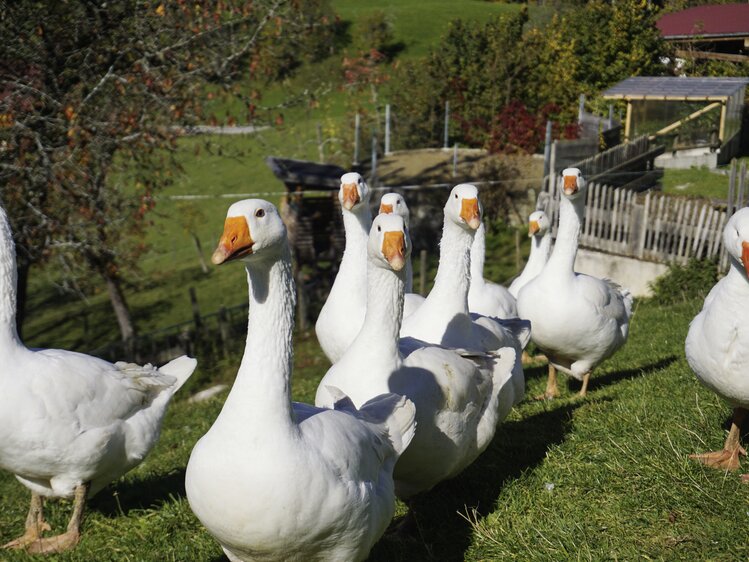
653,87
717,20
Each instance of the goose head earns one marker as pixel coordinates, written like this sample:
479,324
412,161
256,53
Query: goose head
573,184
389,244
353,192
463,206
253,229
394,203
538,224
736,237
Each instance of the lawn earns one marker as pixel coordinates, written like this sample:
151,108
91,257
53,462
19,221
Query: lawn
697,182
605,477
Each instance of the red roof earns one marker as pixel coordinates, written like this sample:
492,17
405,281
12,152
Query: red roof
714,20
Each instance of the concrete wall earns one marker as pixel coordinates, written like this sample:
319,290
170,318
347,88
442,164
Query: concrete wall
627,272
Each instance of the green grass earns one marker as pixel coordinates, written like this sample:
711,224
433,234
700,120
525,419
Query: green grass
623,487
697,182
418,25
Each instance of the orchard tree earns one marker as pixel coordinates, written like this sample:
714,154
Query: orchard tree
93,96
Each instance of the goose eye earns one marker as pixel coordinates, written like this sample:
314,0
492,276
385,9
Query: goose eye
456,196
379,228
260,213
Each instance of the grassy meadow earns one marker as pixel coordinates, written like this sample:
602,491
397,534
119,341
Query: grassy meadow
605,477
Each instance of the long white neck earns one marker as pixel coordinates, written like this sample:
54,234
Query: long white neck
8,279
453,273
409,276
356,224
260,398
540,247
379,334
478,255
565,248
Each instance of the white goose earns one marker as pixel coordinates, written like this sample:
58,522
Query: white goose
343,312
276,480
394,203
458,404
443,318
71,423
578,320
539,231
717,345
485,297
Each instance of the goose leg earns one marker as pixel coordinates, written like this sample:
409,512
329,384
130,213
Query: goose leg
728,457
584,389
552,391
35,524
72,536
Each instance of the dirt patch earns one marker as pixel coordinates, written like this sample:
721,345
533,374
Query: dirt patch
435,166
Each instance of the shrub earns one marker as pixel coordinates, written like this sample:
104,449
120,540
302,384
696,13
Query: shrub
684,283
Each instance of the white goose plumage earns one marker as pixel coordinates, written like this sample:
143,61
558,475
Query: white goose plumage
276,480
485,297
443,318
394,203
458,403
71,423
577,320
342,314
539,230
717,345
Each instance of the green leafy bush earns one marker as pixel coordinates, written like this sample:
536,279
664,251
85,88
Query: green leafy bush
684,283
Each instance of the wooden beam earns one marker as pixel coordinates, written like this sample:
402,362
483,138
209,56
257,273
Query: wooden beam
661,97
628,122
689,54
686,119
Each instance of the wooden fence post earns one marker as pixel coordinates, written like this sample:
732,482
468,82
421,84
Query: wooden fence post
223,330
195,310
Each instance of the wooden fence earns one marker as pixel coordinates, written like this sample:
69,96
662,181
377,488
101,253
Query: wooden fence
628,165
211,337
655,226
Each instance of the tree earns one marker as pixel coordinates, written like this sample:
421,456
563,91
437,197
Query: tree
94,96
614,41
487,73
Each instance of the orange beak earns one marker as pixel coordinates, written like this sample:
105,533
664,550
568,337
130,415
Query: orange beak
533,227
469,212
570,185
350,196
235,242
386,209
394,249
745,256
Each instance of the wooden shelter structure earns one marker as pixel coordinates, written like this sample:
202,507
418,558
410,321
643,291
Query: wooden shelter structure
684,113
312,214
310,208
713,31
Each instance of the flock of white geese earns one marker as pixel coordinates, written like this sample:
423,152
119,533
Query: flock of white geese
415,393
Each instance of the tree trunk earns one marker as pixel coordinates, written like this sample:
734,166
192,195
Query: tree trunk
119,305
22,270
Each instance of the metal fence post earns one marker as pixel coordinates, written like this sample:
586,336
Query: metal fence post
387,129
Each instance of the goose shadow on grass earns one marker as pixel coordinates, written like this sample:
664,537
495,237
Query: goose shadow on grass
598,382
442,532
151,492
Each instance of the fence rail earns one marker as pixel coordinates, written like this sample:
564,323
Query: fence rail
655,226
629,164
